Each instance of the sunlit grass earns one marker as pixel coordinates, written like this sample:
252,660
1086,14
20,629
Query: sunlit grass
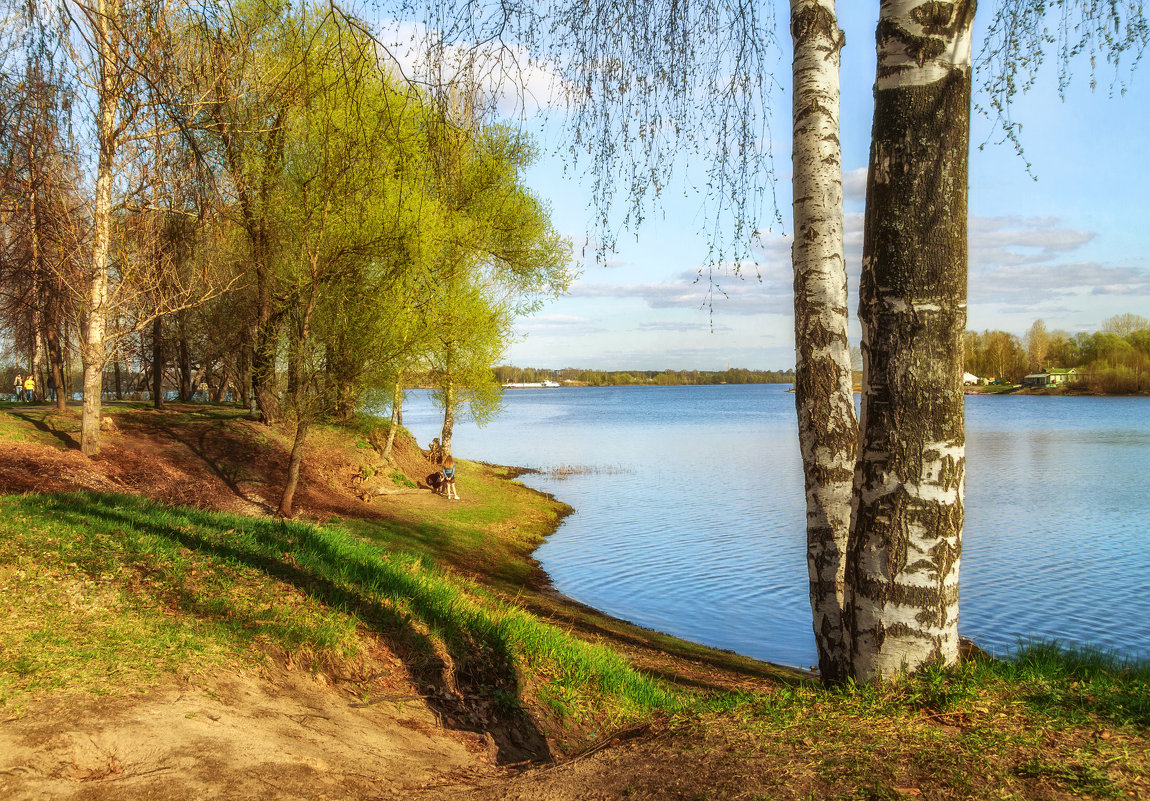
108,581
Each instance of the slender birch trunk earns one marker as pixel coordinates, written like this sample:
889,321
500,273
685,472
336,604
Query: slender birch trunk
94,350
396,416
828,428
907,526
448,420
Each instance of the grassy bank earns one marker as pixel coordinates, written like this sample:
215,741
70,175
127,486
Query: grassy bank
112,591
108,593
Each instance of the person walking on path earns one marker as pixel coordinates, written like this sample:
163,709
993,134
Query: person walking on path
18,387
30,389
52,386
449,479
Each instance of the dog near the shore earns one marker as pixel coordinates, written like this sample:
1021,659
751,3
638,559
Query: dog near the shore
437,482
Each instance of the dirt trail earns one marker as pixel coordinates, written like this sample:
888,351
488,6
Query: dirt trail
233,736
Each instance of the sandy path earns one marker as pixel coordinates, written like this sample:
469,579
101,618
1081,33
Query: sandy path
234,737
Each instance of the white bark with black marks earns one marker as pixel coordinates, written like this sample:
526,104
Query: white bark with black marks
94,347
906,539
828,429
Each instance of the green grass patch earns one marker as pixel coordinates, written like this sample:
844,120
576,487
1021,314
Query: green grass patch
103,581
400,480
1075,685
1068,718
490,535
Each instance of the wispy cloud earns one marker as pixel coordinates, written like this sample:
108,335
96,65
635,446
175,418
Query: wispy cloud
854,185
508,74
1016,263
754,289
1031,286
678,327
1004,241
558,325
1025,265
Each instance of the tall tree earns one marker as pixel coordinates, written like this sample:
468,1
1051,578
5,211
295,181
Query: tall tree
906,540
1037,344
106,24
1125,324
122,52
828,428
497,255
42,215
250,78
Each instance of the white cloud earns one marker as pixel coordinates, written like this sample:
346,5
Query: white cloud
755,289
675,326
1017,265
1016,240
854,185
558,325
507,74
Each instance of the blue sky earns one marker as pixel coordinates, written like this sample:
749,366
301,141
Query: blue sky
1070,248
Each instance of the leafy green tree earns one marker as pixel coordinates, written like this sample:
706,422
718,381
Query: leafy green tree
496,258
1037,344
349,201
1140,340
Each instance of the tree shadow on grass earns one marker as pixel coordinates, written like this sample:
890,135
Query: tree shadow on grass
42,422
342,577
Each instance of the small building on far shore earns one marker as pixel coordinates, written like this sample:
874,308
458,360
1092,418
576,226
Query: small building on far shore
1051,377
971,380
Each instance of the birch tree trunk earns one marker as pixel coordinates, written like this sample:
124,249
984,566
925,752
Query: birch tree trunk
94,350
396,416
448,420
828,429
906,534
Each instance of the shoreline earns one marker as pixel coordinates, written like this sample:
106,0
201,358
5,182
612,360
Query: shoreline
543,584
555,603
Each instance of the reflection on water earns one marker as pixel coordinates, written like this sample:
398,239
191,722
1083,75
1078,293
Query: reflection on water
689,511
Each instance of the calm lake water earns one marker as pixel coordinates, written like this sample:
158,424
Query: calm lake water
689,511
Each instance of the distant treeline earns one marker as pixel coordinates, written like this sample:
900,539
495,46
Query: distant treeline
622,378
1113,360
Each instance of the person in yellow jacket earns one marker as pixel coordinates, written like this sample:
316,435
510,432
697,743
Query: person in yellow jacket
30,389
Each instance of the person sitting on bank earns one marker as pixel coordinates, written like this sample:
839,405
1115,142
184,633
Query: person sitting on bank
18,387
30,389
449,478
